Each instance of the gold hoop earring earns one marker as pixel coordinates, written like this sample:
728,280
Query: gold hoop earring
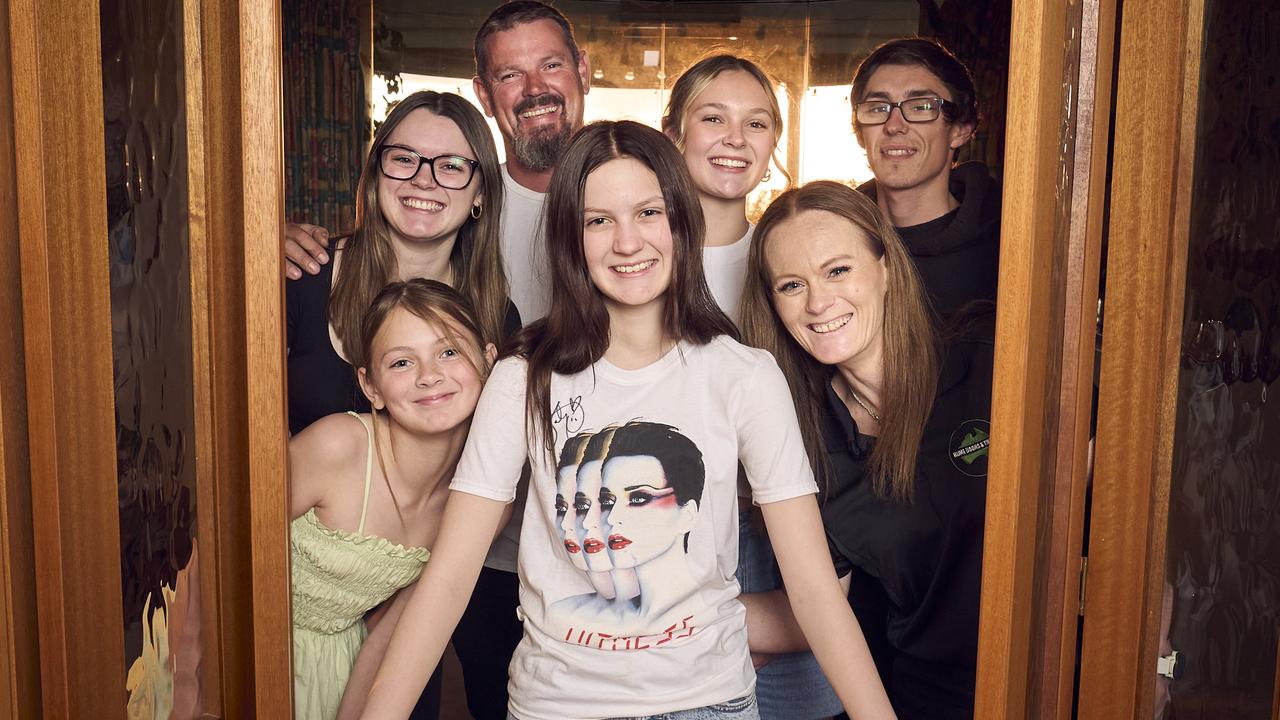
768,173
476,211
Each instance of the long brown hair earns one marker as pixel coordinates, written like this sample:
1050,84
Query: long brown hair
698,76
575,332
910,338
368,258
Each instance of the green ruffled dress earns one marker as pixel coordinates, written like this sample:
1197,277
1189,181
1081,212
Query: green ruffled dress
338,576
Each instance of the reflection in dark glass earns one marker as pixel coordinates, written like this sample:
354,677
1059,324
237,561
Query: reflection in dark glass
146,171
1222,602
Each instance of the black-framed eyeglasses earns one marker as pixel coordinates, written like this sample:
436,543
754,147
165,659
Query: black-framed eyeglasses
449,171
914,110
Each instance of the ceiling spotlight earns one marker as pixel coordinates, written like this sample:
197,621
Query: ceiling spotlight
629,75
597,74
733,37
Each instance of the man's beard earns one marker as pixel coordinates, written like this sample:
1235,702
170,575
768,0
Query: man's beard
541,149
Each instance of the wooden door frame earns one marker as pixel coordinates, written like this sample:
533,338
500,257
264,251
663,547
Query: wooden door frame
235,151
19,645
62,215
1146,285
63,631
1056,139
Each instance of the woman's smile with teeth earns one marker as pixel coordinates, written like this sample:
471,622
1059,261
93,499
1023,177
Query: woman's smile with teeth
832,325
429,205
729,162
634,268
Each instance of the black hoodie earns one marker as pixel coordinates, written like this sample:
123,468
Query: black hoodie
958,254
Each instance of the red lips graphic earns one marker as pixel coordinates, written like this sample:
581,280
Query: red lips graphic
618,542
571,546
592,546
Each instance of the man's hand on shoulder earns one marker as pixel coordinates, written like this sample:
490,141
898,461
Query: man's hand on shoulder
305,248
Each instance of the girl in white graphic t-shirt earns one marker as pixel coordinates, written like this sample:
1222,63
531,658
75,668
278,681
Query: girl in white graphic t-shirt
633,337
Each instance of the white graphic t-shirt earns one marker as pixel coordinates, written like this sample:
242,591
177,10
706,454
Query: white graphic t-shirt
629,540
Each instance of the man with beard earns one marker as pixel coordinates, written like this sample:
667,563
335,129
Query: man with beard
532,78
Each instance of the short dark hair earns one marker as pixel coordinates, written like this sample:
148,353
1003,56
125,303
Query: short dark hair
680,458
932,56
518,12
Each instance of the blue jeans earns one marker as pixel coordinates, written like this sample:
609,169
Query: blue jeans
792,686
743,708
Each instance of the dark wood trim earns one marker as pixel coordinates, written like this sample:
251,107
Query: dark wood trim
19,644
1026,357
263,182
66,319
1146,275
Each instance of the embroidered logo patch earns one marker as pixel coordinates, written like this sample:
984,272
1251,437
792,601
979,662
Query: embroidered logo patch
968,447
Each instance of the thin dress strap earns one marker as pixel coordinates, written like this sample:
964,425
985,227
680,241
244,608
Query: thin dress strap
368,470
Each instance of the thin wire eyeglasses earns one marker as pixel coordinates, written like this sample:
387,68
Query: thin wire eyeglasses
914,110
449,171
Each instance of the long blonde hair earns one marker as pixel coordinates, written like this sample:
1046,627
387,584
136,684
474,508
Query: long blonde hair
911,357
368,258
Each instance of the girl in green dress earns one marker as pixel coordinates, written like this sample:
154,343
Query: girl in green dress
367,490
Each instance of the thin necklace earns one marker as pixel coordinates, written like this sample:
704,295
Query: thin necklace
858,400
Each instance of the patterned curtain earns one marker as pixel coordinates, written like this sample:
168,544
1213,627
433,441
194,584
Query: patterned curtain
326,122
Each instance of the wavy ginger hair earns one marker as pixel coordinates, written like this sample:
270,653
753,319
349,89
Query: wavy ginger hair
911,358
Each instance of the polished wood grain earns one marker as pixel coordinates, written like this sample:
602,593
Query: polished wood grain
236,115
1024,388
19,651
211,535
262,147
1059,558
1146,273
57,91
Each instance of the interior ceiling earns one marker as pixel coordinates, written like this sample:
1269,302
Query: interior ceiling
434,38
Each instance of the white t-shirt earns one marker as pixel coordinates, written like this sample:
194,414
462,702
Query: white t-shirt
522,249
663,537
726,270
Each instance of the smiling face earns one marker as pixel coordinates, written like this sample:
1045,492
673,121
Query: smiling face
534,90
827,287
729,134
419,210
903,155
625,235
640,507
427,380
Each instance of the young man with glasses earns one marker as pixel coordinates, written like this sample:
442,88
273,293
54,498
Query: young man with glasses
914,107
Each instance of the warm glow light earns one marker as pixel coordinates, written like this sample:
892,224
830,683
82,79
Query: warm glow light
828,149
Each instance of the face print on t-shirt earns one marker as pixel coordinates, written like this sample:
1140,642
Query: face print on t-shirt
635,500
